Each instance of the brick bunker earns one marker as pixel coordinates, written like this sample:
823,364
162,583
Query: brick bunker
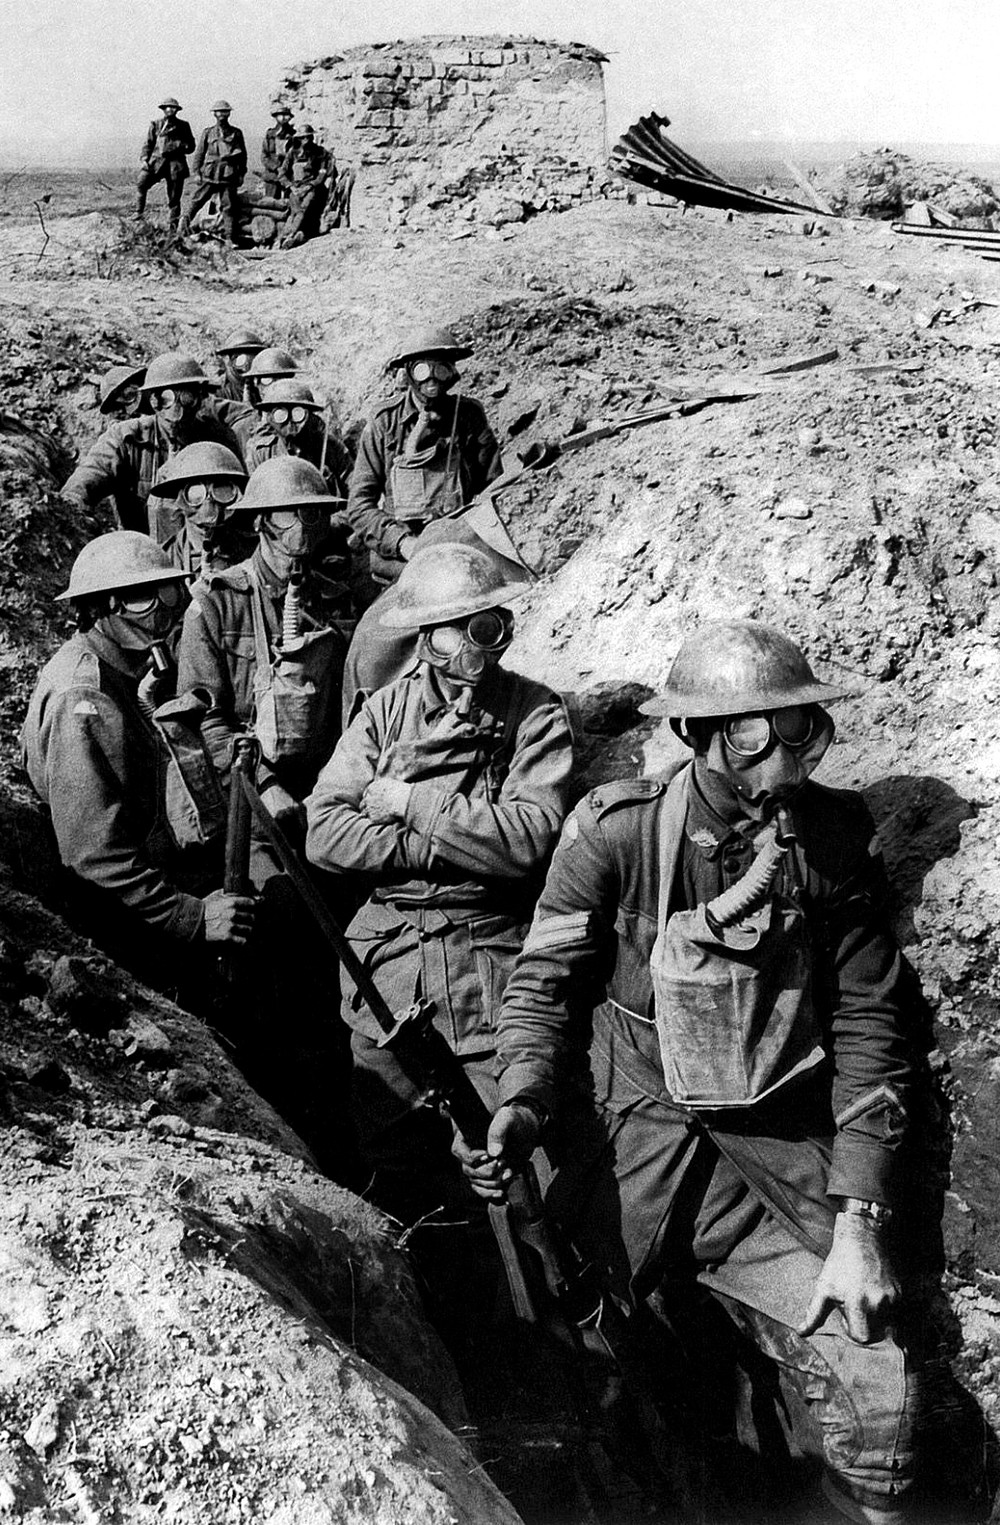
483,129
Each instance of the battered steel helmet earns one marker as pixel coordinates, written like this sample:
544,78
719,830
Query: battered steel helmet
170,100
437,343
737,667
277,109
287,393
222,106
272,362
242,341
306,132
447,582
200,462
286,481
120,559
174,370
114,382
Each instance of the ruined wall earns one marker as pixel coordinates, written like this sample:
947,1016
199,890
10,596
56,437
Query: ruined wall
484,129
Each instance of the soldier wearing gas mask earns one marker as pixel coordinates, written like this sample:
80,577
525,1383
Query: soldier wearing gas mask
715,950
124,462
236,353
423,456
265,637
193,509
94,760
441,803
291,423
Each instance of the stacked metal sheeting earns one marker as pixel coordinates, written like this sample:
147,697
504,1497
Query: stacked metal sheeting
646,156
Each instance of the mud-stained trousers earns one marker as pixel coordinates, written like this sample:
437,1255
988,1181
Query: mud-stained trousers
656,1202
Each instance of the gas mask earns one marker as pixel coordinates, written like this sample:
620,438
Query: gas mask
288,535
176,405
287,420
430,381
140,618
464,650
204,505
763,758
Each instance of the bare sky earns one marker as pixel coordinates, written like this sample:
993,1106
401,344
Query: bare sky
79,79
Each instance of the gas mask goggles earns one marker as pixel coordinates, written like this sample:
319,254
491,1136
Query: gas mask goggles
174,403
297,531
206,502
463,649
765,757
141,617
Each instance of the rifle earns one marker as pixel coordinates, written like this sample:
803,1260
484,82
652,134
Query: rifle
236,876
550,1269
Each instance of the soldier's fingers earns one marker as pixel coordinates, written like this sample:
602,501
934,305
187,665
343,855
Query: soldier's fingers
858,1325
821,1305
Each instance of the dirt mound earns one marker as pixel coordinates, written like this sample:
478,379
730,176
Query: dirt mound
883,183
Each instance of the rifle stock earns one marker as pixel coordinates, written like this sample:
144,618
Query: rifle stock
236,874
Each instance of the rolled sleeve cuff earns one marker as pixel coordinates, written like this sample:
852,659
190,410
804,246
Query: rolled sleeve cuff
521,1082
861,1169
391,539
188,920
423,812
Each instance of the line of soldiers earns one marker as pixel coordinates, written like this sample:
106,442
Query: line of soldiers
682,997
301,183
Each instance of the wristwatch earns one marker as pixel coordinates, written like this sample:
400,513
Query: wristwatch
859,1207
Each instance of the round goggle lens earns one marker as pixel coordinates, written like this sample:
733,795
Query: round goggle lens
284,415
287,518
795,726
445,640
425,370
183,395
240,361
487,630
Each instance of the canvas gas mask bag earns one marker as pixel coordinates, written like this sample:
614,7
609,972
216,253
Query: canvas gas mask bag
734,1009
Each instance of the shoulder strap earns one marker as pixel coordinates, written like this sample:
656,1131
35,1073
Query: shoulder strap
261,643
670,828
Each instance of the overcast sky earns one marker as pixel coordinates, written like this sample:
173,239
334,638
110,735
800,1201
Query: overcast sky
80,78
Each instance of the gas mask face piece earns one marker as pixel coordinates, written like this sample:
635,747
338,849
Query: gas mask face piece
764,758
287,422
431,380
464,650
292,534
139,618
204,504
175,405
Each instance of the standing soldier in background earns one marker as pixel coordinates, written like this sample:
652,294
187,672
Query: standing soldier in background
123,463
292,423
164,157
443,799
220,164
305,172
424,456
236,353
277,141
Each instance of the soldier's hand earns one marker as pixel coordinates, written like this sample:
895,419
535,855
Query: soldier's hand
406,547
512,1137
386,799
857,1278
228,918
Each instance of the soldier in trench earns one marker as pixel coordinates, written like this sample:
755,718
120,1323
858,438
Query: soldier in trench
95,761
124,462
712,998
266,639
291,422
423,456
441,802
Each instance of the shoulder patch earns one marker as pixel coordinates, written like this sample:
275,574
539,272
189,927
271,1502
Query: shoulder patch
623,791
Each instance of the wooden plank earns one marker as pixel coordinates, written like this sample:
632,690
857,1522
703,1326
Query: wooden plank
805,184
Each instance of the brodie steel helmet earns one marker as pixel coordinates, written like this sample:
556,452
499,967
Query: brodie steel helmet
444,583
242,341
287,482
738,667
120,559
170,100
429,343
271,362
203,461
174,369
114,382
